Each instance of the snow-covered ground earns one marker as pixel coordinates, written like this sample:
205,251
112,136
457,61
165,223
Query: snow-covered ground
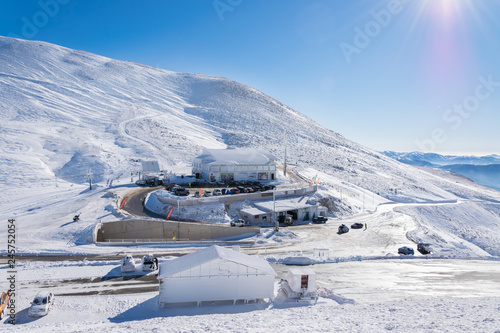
68,114
362,296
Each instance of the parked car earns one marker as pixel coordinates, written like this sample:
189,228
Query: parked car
235,191
225,191
424,248
207,194
268,187
4,301
249,189
149,263
217,192
406,251
181,192
343,229
257,188
41,304
170,187
238,223
320,219
357,225
242,189
128,264
140,182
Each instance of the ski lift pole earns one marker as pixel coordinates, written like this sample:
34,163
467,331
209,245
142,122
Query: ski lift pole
89,175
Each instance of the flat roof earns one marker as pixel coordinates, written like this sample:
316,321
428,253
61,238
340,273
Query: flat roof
281,205
254,211
237,156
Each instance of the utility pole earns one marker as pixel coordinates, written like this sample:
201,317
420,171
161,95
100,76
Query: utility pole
274,205
178,220
89,175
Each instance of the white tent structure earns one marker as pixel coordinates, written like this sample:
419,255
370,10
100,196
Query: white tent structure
240,164
215,275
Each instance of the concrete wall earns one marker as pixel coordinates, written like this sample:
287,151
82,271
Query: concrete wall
167,231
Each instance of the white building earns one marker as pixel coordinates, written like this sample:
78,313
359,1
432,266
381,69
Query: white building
215,274
300,284
240,164
262,213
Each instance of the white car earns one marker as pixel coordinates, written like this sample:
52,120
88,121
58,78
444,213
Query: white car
207,194
149,263
217,192
128,264
238,223
41,304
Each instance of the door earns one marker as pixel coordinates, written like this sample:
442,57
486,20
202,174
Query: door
304,281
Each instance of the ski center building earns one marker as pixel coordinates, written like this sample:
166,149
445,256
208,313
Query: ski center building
215,275
238,164
263,211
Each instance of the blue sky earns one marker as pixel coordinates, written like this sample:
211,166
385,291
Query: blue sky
392,75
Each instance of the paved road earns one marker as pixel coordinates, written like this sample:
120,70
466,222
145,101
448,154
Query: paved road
135,199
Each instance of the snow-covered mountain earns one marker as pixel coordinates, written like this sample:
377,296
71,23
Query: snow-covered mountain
69,111
484,170
65,112
416,158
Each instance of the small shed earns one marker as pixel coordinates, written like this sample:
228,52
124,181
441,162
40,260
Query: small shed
301,280
215,275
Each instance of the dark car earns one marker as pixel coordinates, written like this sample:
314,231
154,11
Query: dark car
257,188
181,192
140,182
320,219
242,189
235,191
406,251
357,226
343,229
424,248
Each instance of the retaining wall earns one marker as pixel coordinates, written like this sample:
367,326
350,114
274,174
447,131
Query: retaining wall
157,230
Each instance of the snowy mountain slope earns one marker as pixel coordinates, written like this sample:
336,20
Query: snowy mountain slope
67,111
73,111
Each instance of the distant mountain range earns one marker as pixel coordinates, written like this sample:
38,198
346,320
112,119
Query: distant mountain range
484,170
